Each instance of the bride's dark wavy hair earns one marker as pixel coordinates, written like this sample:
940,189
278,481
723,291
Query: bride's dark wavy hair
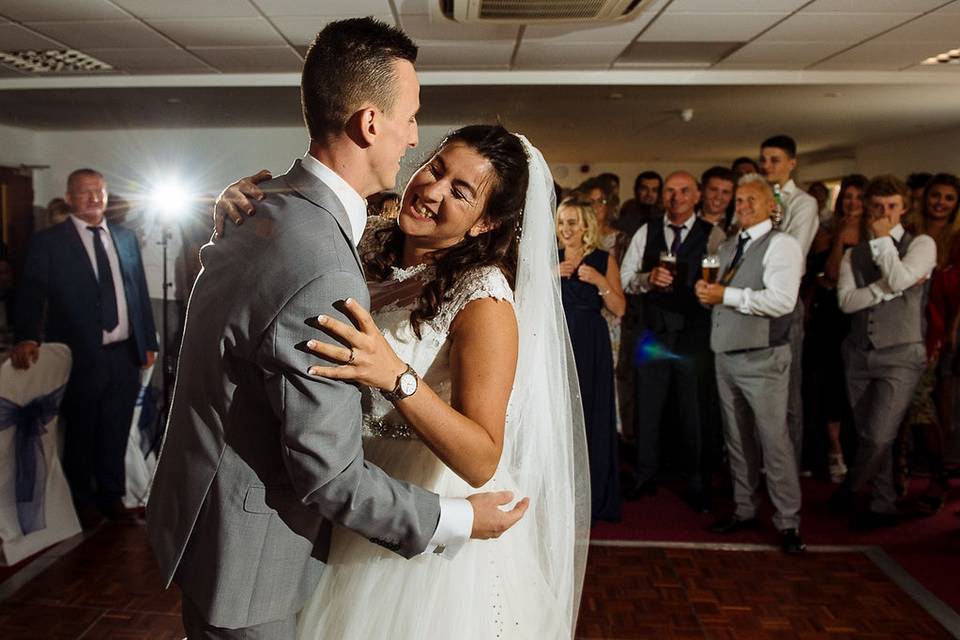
497,247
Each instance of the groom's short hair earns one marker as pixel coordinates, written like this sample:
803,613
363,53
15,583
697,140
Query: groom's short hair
350,62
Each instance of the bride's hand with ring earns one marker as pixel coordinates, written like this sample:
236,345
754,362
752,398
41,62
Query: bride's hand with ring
365,355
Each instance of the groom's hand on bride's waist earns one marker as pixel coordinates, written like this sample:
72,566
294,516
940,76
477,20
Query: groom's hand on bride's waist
489,520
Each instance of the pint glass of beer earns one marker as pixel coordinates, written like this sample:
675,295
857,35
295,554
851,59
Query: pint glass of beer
710,268
668,261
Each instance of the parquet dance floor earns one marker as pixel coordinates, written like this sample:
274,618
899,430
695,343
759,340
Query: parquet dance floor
108,587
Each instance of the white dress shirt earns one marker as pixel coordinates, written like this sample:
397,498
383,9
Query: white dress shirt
122,331
631,278
352,201
456,514
801,216
898,274
782,270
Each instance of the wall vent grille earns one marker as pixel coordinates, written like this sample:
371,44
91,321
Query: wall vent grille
53,61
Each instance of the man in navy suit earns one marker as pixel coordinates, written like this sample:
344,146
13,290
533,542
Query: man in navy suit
83,285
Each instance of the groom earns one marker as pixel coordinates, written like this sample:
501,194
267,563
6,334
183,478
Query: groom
260,458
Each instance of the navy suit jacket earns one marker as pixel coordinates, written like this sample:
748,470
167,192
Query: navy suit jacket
59,296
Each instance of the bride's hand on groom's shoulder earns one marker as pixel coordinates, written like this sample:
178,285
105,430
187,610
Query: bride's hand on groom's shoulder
489,520
363,352
236,202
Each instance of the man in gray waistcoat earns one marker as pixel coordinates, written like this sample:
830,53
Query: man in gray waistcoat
260,457
760,272
882,283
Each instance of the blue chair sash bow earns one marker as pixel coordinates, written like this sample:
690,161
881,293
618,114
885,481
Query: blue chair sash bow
30,422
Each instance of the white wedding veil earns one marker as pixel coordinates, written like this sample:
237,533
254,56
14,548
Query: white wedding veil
545,449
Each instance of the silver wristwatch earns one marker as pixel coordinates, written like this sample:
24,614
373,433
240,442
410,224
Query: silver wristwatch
407,384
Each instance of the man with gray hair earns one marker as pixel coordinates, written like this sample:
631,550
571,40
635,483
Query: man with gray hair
752,303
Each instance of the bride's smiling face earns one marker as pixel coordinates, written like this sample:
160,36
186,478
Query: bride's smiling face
446,198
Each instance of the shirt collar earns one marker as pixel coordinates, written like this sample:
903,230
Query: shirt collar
686,225
758,230
790,187
83,226
352,201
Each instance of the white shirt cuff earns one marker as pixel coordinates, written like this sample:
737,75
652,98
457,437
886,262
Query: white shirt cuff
733,297
879,246
453,529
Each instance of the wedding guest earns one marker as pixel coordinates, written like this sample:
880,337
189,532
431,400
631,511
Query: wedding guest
828,325
719,185
589,283
798,217
643,207
57,211
821,194
917,183
744,165
83,285
752,303
595,192
939,203
882,282
672,383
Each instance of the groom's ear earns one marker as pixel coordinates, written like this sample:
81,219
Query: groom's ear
369,121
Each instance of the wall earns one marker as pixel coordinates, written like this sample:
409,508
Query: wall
934,152
205,160
18,146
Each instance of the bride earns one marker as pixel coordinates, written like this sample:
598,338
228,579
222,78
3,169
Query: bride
463,290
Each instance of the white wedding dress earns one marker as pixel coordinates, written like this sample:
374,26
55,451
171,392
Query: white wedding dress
490,589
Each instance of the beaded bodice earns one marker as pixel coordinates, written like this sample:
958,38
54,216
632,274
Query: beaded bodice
391,302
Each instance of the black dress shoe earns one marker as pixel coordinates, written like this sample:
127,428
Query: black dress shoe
733,524
699,501
871,520
791,542
637,491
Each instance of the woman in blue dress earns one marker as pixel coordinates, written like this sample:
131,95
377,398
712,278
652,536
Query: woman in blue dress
589,283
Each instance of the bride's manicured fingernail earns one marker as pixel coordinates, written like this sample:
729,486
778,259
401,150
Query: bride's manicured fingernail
321,319
312,344
312,371
348,301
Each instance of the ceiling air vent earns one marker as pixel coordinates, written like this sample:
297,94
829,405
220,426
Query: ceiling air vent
53,61
540,11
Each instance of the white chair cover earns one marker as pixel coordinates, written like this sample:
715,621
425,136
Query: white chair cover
50,517
139,466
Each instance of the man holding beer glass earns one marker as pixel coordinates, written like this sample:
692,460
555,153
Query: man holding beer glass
753,301
673,359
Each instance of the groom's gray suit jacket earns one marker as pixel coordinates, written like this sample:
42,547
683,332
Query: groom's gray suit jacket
259,457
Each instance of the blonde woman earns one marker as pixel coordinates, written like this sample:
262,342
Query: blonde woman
589,283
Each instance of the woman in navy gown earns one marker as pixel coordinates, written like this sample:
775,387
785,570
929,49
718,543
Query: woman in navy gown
590,282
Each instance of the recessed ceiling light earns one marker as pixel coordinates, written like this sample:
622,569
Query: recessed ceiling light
948,57
616,95
53,61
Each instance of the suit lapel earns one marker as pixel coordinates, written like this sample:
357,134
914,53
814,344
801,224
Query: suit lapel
80,253
314,190
122,259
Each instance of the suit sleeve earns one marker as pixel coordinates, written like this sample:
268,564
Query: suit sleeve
320,429
32,293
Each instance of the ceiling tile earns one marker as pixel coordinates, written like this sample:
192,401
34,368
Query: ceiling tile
876,54
873,6
220,32
935,26
735,6
251,59
39,10
301,32
675,54
112,34
586,56
424,30
16,38
590,33
789,55
842,27
189,8
475,55
709,27
150,60
342,8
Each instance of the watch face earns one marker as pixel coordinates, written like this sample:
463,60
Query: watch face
408,384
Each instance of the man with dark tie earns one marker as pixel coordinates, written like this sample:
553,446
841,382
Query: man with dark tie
83,285
760,271
672,359
882,284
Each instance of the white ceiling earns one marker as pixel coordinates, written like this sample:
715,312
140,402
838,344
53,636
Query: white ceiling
778,60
